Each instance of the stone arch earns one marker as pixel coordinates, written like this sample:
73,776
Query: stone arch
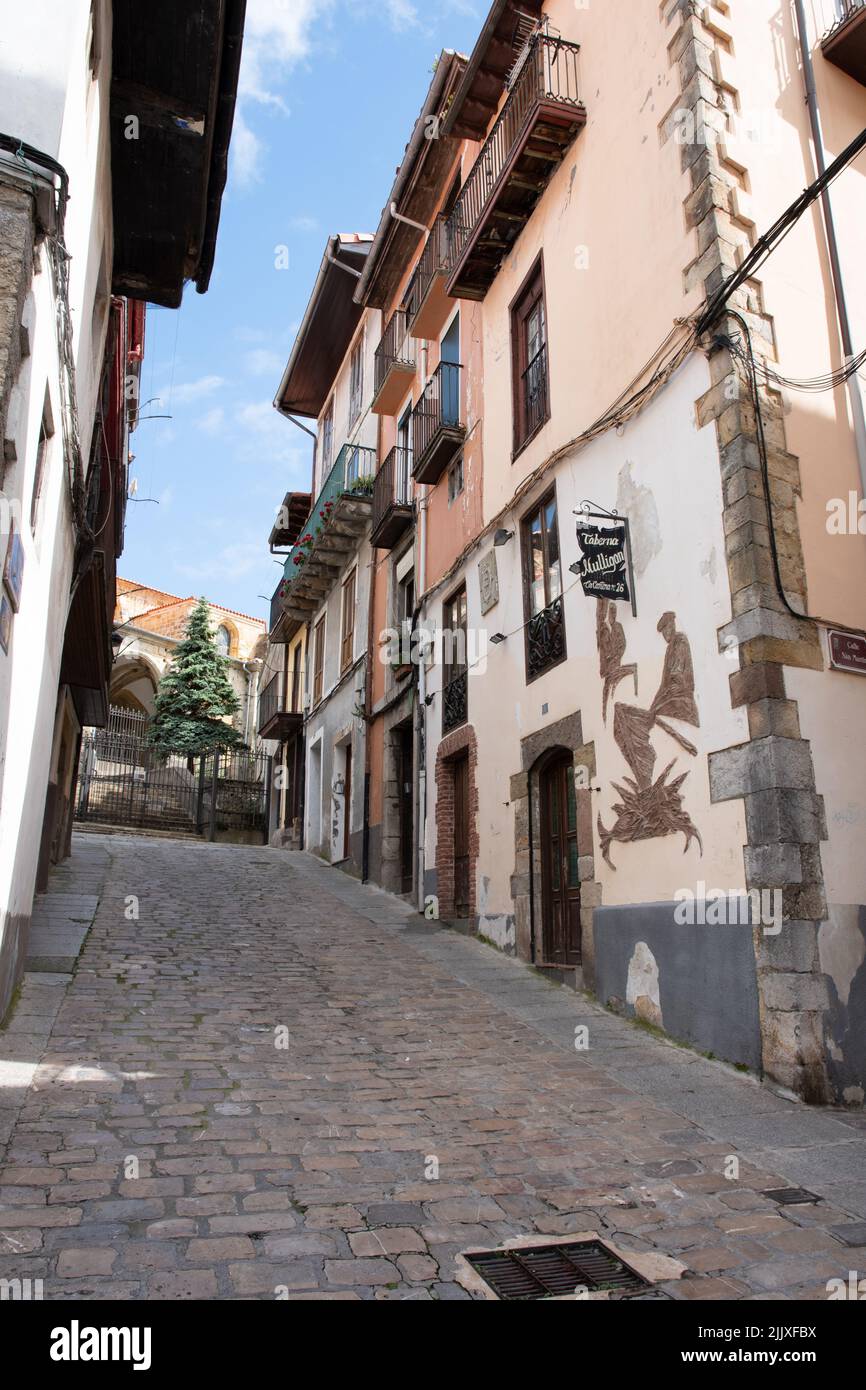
134,683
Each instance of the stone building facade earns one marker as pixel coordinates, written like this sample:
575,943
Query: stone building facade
652,791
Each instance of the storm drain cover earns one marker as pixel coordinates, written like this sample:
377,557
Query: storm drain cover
790,1196
549,1271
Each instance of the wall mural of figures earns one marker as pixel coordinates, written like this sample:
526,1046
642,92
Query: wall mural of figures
648,809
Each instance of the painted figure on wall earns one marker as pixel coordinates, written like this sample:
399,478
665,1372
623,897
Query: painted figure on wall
651,809
610,635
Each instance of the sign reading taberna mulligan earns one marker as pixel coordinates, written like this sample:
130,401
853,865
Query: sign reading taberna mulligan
603,567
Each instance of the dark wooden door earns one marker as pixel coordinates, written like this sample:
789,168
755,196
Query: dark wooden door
461,837
347,803
560,883
407,783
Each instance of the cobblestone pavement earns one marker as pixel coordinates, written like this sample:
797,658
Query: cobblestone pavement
306,1169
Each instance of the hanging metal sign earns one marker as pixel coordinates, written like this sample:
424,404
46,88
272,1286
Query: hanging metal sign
605,568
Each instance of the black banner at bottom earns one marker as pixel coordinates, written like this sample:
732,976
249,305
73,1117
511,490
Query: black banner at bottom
645,1335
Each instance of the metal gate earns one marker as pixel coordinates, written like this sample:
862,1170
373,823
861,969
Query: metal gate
233,793
122,780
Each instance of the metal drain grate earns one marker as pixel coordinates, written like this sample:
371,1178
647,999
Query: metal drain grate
549,1271
790,1196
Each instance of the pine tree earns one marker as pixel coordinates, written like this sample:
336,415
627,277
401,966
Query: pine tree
194,694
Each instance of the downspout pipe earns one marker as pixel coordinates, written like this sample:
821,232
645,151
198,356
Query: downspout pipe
422,676
854,392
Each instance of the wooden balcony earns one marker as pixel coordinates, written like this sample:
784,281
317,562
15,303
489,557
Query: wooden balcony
437,428
845,43
394,366
280,717
393,509
541,117
427,304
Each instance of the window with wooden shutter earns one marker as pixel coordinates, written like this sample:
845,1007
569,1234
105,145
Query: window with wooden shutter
318,660
347,635
529,359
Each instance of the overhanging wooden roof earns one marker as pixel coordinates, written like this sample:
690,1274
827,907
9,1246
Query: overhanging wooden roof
417,189
492,59
327,329
175,71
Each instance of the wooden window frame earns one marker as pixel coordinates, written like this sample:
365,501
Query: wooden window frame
356,380
327,442
318,661
531,292
347,620
46,434
450,670
526,521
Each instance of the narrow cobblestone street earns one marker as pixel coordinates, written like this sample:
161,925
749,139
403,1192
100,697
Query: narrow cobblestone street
309,1168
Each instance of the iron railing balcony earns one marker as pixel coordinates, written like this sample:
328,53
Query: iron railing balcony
437,428
545,640
279,714
845,42
276,626
541,117
394,365
334,528
393,508
427,305
534,405
455,702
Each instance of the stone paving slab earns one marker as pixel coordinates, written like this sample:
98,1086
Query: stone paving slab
274,1082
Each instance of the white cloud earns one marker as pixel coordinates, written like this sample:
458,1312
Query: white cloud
246,152
193,390
238,558
212,421
262,418
264,362
276,36
303,224
402,14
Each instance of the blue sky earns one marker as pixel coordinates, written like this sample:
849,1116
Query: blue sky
330,90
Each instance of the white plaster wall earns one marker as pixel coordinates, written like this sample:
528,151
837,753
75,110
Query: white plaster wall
680,564
48,98
831,705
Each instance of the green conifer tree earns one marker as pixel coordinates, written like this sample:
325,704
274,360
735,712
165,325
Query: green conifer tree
194,694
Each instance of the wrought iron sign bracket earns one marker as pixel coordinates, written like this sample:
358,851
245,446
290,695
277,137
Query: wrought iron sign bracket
592,511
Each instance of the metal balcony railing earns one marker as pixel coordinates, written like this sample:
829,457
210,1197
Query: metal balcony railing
395,349
434,260
270,701
353,472
438,409
545,639
455,702
840,11
392,487
276,606
534,397
549,73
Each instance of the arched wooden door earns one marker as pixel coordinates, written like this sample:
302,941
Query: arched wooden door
560,882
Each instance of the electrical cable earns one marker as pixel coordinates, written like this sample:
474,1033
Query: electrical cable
751,368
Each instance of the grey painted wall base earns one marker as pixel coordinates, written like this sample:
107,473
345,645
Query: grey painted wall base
842,947
697,982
